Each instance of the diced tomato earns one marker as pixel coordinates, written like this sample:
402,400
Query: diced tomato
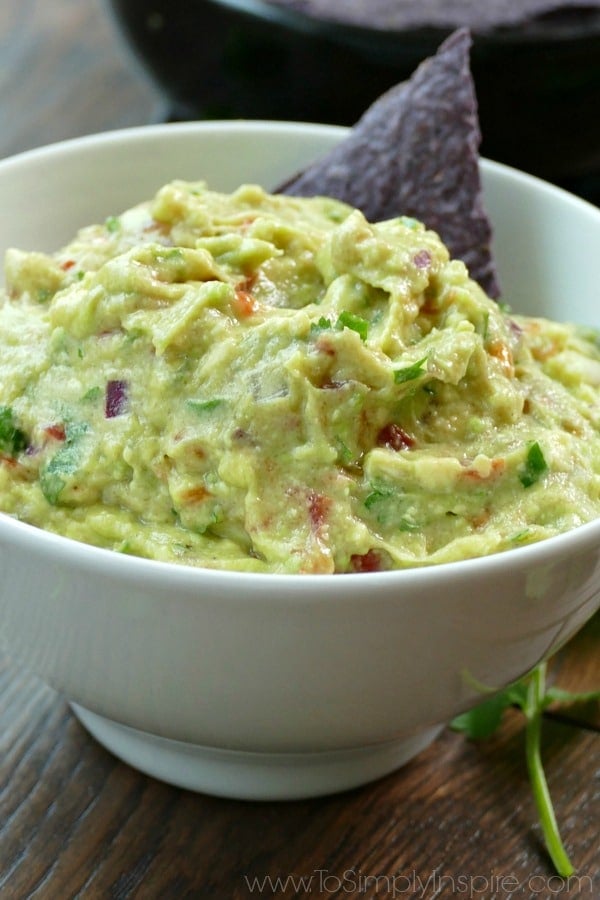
324,345
366,562
56,432
394,437
195,494
318,508
500,351
496,469
245,304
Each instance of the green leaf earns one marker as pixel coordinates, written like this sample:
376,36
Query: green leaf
75,430
535,466
173,253
405,525
532,697
354,323
377,496
518,693
65,462
485,325
344,452
568,698
409,373
202,406
12,439
322,325
112,224
520,536
386,504
483,720
94,393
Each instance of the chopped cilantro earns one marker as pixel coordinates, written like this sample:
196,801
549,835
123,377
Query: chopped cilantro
377,496
12,439
408,222
126,548
485,325
94,393
75,430
520,536
64,463
591,335
354,323
409,373
386,504
405,524
201,406
166,255
322,325
112,224
535,466
344,452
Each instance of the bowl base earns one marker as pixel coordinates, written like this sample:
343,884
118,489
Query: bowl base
248,775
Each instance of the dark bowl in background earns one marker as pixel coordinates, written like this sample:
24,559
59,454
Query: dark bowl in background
538,85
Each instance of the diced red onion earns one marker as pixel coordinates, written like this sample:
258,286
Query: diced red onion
116,398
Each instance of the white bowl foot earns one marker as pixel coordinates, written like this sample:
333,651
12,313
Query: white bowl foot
248,775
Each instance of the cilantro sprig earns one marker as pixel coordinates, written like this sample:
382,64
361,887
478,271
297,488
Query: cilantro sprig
65,462
323,324
203,406
409,373
345,320
532,696
354,323
112,224
12,439
535,466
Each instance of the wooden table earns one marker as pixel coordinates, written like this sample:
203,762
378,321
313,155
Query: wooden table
75,822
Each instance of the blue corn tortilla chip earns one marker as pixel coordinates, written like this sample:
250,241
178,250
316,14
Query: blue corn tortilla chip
480,16
414,152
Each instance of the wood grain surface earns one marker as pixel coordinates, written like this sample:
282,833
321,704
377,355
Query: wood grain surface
76,823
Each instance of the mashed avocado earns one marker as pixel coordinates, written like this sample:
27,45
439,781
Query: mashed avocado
272,384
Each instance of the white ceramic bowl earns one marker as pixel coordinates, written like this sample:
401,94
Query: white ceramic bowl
271,686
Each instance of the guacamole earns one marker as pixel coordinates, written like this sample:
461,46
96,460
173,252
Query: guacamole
274,384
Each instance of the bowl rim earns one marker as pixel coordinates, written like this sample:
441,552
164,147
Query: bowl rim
88,556
122,566
141,133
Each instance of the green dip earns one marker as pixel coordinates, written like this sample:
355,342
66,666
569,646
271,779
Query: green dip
275,385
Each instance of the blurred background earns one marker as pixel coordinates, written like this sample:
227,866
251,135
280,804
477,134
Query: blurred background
71,67
64,72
